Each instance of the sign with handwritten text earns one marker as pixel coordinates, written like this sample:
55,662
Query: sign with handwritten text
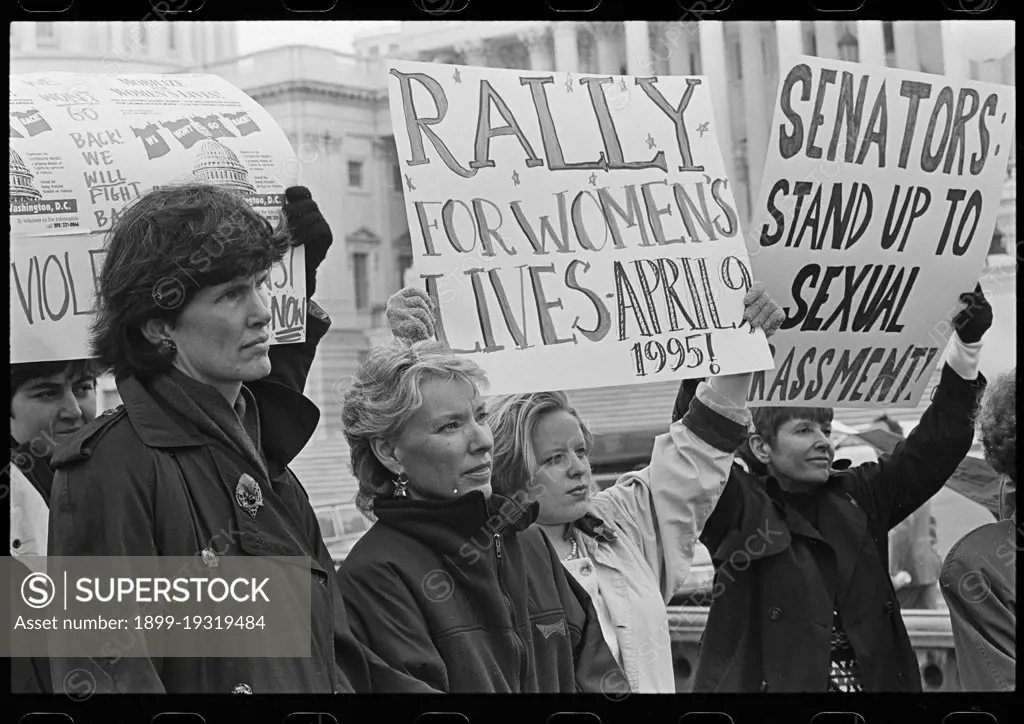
82,146
575,231
876,211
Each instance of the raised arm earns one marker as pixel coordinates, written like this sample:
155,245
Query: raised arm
664,507
917,468
290,363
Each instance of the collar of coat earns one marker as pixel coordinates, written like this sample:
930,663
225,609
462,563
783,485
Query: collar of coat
287,418
594,527
467,516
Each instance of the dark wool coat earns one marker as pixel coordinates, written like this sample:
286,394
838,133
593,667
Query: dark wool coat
141,481
778,579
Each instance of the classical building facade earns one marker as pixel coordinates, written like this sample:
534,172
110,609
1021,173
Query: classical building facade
146,46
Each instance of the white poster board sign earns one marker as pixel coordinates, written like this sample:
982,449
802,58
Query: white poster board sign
876,211
576,231
82,146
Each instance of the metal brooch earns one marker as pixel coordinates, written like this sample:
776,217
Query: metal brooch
248,495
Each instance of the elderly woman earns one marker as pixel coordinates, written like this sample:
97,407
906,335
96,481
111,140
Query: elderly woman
979,576
453,586
194,463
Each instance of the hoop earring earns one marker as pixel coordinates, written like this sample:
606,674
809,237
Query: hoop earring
401,483
168,348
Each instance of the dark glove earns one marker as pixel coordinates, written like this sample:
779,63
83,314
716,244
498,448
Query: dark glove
973,320
308,228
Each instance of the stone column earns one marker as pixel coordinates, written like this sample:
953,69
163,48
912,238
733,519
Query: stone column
567,59
606,38
905,38
712,65
827,39
538,44
675,42
871,42
789,39
754,100
954,64
638,49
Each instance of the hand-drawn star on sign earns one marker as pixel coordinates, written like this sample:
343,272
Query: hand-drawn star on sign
593,179
568,83
408,182
622,85
515,177
457,76
703,128
650,141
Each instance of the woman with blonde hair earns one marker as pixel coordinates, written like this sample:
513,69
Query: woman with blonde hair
632,545
452,586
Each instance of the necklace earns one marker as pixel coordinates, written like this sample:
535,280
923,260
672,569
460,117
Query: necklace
575,552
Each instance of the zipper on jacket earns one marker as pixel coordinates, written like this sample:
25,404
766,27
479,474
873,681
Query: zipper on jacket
519,645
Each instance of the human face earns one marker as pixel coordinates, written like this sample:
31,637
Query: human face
802,453
563,468
445,447
222,335
51,408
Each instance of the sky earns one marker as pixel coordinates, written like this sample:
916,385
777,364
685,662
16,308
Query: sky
334,34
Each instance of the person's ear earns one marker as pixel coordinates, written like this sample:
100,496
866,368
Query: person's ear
156,330
387,455
760,448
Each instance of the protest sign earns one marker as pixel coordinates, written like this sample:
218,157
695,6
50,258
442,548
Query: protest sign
574,230
83,146
878,202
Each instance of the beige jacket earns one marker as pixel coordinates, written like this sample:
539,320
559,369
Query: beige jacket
657,515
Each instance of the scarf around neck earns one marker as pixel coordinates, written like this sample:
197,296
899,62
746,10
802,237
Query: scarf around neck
237,427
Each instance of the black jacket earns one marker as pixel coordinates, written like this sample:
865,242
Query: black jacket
465,596
778,579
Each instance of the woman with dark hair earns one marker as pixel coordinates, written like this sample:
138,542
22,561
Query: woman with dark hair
211,417
979,575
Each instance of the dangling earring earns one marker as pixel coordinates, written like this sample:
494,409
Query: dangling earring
455,492
401,482
168,348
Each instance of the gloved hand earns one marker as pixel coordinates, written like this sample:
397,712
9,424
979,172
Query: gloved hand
760,311
410,315
308,228
975,318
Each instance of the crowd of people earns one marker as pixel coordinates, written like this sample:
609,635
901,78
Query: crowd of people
494,563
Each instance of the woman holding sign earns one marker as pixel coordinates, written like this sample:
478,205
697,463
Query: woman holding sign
629,546
194,463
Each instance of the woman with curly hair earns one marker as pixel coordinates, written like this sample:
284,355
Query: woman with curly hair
980,573
194,464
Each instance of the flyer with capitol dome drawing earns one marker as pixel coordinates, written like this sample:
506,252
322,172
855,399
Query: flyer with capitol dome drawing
84,146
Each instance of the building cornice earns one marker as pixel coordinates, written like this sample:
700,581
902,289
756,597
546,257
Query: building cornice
316,89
